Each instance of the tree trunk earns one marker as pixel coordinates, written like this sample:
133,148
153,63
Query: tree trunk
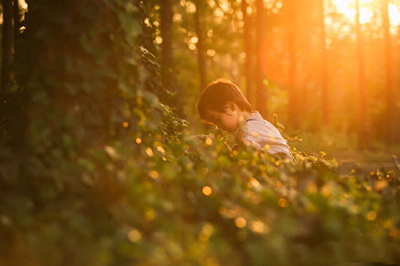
391,110
362,106
293,108
17,18
13,113
167,56
7,43
247,43
166,46
200,43
324,69
261,99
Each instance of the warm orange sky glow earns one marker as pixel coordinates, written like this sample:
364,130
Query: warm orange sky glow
347,8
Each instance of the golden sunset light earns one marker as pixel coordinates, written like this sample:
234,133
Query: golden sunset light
347,8
199,132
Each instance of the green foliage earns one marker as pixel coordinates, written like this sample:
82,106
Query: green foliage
113,177
180,201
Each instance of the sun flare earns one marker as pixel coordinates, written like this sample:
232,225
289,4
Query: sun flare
347,8
394,15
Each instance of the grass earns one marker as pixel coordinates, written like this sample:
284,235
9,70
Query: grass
343,147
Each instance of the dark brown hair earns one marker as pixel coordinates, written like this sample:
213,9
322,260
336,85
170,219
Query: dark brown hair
217,94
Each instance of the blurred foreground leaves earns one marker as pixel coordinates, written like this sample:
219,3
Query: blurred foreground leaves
188,202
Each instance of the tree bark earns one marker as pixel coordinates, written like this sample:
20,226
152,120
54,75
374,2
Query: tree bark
167,57
247,43
17,18
261,99
324,69
166,45
7,43
391,110
13,111
362,106
293,108
200,44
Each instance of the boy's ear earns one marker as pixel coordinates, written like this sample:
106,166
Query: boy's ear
230,107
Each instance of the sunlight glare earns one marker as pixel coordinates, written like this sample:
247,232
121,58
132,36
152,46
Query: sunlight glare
347,8
394,15
365,15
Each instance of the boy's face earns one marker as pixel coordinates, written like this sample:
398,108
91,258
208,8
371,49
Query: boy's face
226,120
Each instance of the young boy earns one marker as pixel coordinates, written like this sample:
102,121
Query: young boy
223,104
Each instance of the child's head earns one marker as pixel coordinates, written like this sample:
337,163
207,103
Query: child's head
221,96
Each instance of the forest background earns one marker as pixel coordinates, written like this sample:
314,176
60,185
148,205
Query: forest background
97,162
327,69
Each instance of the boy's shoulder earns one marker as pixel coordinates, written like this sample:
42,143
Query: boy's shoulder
257,120
256,123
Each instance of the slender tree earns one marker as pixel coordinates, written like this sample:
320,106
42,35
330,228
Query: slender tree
324,67
13,113
200,42
293,109
167,55
166,46
261,99
362,106
247,42
7,45
391,110
17,17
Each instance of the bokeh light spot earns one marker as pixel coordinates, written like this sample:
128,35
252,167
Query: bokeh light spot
134,235
160,149
209,141
149,152
371,215
240,222
154,174
207,190
283,203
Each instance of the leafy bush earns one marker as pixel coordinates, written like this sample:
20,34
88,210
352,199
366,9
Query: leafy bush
209,207
163,201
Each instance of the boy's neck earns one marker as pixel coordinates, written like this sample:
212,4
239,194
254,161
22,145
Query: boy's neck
244,114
